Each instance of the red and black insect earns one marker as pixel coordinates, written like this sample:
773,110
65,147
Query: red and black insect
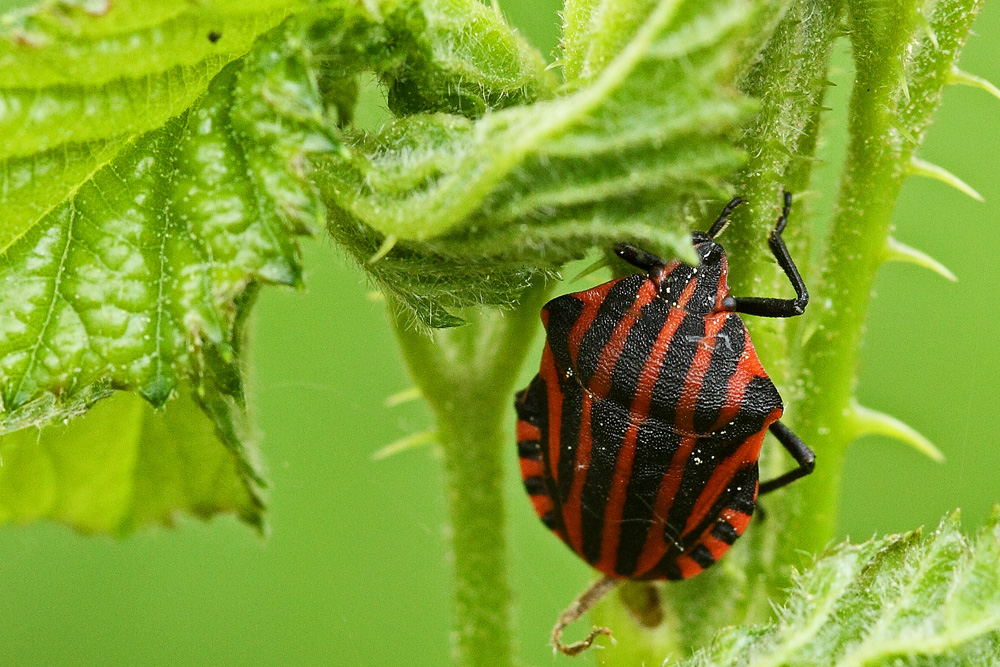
640,435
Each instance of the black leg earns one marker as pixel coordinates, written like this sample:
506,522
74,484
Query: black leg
723,219
766,307
646,261
799,451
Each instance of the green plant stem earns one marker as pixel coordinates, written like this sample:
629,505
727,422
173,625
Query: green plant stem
888,116
467,375
791,82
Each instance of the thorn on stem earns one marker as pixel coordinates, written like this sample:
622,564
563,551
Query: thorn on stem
919,167
960,78
900,252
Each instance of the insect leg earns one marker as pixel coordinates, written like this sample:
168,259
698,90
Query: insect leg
646,261
799,451
767,307
581,606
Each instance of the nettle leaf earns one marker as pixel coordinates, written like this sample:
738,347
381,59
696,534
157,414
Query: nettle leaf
907,599
594,32
124,465
138,272
448,210
74,86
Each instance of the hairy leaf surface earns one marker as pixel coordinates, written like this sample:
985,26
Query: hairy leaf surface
908,599
134,236
473,206
74,87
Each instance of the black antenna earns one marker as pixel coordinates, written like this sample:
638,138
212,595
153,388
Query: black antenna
720,223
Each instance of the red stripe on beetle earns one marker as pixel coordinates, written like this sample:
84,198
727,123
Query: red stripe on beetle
737,519
592,300
532,468
723,473
611,529
542,504
654,364
738,382
656,547
687,566
528,432
573,509
639,410
550,375
715,546
600,382
688,400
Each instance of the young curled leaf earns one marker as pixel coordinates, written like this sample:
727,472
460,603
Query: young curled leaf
482,202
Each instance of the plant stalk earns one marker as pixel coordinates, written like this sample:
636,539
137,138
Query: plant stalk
899,81
467,376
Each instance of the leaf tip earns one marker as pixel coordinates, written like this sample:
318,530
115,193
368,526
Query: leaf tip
158,391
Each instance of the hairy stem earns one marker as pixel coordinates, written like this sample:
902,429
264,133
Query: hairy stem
791,82
898,86
901,73
467,375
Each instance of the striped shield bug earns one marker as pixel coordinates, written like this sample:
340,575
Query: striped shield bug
639,437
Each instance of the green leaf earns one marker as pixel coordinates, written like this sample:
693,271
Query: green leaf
139,269
594,32
74,87
480,204
135,282
903,599
124,465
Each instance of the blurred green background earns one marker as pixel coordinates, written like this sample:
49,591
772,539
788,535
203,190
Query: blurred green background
355,570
